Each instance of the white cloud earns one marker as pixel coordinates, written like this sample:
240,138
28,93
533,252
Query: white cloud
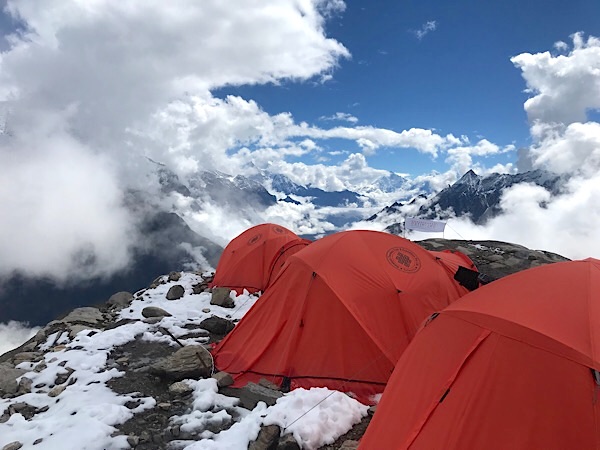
425,29
14,334
343,117
461,158
564,87
113,69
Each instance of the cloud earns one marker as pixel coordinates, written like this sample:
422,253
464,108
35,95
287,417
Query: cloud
14,334
461,158
111,70
343,117
564,87
425,29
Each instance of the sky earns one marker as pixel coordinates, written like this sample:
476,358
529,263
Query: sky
330,93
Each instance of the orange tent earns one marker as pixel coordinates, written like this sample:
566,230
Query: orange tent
253,259
339,314
513,365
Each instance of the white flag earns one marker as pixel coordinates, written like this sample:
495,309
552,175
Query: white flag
434,226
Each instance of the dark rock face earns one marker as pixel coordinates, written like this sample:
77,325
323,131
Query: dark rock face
479,197
495,259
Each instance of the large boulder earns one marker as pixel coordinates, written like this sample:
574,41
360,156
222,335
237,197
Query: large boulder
193,361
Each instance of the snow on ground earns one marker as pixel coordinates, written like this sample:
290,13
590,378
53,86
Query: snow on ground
85,413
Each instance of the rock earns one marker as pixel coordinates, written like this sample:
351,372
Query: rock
16,445
75,329
86,314
56,391
199,288
180,388
217,325
120,300
8,376
253,393
174,276
349,445
165,406
221,297
206,310
175,292
133,440
223,379
372,409
24,386
287,442
27,356
155,311
268,384
268,438
62,378
193,361
38,441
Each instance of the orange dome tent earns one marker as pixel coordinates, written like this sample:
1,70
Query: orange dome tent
513,365
339,314
252,260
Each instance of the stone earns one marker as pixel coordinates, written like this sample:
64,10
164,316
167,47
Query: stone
199,288
253,393
372,409
74,330
27,356
56,391
221,297
120,300
174,276
267,438
223,379
38,441
180,388
268,384
24,386
217,325
206,310
155,311
8,376
193,361
87,314
175,292
349,445
133,440
16,445
62,377
287,442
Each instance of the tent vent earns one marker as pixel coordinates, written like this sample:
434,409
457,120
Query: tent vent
444,396
467,278
430,318
314,274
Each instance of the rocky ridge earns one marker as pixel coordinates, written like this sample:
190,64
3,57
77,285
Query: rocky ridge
147,372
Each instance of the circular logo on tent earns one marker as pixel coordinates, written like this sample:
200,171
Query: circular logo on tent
278,229
254,239
403,259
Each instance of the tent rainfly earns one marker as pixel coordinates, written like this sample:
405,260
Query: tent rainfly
339,314
253,259
513,365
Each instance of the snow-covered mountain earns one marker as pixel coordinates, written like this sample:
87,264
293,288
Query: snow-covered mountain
472,195
479,197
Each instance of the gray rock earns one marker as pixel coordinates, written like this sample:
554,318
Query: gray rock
253,393
16,445
193,361
223,379
174,276
180,388
287,442
268,438
56,391
75,329
120,300
27,356
133,440
24,386
86,314
199,288
155,311
175,292
8,376
221,297
349,445
217,325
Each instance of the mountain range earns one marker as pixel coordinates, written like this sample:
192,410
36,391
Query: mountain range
170,243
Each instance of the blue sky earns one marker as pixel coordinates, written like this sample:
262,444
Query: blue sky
93,89
456,79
